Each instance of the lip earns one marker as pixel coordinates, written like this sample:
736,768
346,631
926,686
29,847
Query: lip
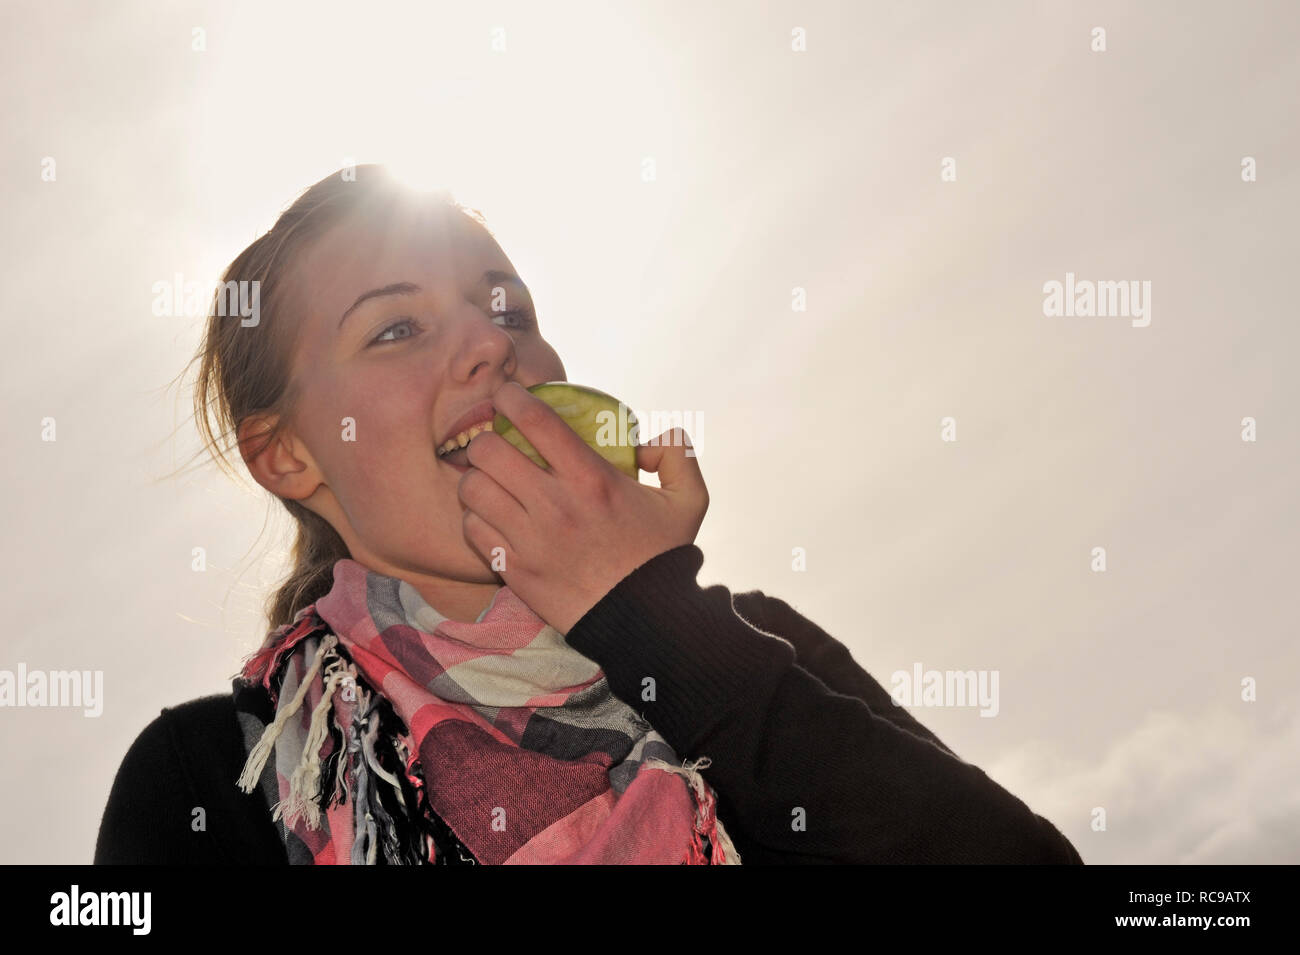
479,413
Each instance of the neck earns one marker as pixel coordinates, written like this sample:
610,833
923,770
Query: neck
455,599
459,600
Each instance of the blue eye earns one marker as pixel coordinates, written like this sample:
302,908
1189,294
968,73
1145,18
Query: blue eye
520,314
397,324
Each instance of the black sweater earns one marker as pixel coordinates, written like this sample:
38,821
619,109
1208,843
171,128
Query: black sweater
795,729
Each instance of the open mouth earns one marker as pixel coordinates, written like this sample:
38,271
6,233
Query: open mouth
459,459
455,450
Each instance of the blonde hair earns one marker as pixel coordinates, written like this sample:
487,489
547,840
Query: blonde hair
245,369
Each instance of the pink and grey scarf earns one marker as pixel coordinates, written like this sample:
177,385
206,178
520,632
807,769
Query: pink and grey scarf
392,721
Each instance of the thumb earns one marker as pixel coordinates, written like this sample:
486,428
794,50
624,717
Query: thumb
667,455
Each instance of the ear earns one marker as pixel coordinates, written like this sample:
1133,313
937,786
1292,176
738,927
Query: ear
281,464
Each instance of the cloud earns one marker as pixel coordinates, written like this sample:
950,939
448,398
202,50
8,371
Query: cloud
1219,787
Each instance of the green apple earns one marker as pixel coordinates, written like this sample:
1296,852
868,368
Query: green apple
604,422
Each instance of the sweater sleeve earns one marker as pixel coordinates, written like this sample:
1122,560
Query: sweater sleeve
174,800
826,658
148,816
804,771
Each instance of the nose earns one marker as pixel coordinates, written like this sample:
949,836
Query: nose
482,344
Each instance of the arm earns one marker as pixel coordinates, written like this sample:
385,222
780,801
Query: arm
187,758
146,821
826,658
872,788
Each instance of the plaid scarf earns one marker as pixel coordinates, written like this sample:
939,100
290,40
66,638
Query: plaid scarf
394,724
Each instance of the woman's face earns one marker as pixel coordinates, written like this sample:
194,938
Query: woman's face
407,324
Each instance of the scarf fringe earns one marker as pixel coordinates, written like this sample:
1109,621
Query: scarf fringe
722,850
304,784
258,756
365,844
375,829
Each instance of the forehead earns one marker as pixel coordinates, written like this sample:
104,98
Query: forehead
367,250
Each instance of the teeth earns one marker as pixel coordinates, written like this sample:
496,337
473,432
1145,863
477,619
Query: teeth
464,438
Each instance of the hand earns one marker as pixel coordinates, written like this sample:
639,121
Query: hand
571,533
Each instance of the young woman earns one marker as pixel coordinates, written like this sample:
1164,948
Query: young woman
478,660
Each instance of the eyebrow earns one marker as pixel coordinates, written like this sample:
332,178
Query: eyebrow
491,276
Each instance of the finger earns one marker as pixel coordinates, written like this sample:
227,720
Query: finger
510,468
545,430
480,493
485,539
666,454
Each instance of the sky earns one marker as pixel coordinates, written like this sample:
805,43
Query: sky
946,453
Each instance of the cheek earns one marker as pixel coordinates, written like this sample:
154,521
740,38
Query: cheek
381,440
392,405
393,489
537,359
